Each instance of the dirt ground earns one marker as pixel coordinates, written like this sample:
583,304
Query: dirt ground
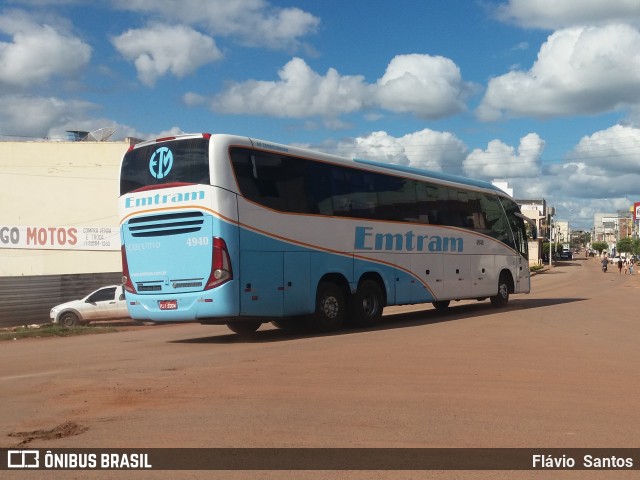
557,368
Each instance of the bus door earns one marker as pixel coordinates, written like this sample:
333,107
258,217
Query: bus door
404,283
484,279
275,283
457,276
523,277
430,268
411,289
261,289
297,284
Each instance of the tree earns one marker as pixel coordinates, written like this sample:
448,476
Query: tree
554,248
625,245
629,245
600,246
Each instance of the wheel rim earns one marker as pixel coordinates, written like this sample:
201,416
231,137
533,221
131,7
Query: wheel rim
330,307
504,291
370,305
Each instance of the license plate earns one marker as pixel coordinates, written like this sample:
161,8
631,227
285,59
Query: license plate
168,304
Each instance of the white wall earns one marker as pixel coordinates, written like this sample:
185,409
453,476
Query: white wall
58,184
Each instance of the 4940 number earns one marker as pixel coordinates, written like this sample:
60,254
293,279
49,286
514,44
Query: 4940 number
197,241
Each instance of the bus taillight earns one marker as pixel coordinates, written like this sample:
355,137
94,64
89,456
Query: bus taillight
221,271
126,279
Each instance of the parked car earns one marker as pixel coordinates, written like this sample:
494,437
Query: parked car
566,255
615,259
106,303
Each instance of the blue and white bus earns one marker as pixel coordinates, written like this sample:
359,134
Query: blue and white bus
223,229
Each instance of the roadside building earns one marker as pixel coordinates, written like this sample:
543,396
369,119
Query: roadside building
537,211
59,235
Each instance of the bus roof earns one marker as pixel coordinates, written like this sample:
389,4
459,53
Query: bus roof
433,175
427,174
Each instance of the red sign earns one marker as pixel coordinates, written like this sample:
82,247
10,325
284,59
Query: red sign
636,211
168,304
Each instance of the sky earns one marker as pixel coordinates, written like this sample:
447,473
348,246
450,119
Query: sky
542,94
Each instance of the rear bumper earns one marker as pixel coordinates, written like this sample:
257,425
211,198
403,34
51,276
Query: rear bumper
190,307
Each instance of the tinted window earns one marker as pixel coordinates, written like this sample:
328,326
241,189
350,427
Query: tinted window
104,294
292,184
517,226
168,162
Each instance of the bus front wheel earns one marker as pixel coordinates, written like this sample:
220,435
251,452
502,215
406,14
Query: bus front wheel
502,298
441,304
244,328
330,307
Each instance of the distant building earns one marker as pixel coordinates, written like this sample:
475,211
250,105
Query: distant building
611,227
563,231
504,186
537,211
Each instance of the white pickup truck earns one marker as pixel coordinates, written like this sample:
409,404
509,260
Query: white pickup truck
106,303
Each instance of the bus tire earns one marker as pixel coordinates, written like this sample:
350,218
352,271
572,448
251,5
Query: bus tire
244,327
330,307
502,298
441,304
365,307
291,324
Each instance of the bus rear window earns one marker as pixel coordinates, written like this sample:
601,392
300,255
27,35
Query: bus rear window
179,161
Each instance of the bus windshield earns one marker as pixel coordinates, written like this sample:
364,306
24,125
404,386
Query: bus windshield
182,161
517,226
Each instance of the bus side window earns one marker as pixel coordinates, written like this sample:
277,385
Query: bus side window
427,198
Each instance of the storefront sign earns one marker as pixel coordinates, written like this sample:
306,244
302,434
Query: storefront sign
60,238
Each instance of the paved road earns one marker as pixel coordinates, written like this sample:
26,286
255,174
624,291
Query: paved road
556,368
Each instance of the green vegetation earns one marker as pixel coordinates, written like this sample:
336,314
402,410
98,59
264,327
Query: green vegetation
628,245
51,330
555,247
600,246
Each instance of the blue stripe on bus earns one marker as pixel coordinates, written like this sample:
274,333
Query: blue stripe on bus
323,262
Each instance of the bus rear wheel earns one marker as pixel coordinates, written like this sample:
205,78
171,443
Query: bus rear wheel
365,307
330,307
244,328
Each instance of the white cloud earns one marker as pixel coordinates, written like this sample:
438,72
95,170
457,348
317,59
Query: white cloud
38,51
599,175
553,14
38,117
587,183
251,22
428,87
160,49
426,149
30,116
581,70
299,93
615,150
503,161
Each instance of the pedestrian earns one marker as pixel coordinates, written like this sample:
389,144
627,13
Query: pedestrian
619,265
626,266
631,267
